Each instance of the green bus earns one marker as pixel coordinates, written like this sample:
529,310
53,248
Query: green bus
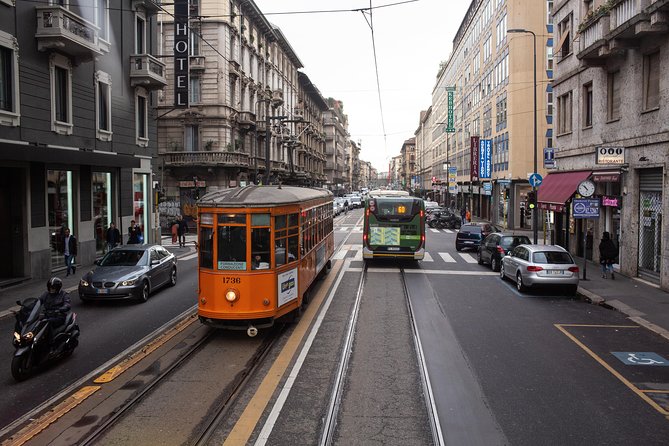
394,226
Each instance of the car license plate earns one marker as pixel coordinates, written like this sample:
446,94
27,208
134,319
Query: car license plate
554,272
393,249
102,291
468,242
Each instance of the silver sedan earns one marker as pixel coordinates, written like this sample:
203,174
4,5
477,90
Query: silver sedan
129,272
540,265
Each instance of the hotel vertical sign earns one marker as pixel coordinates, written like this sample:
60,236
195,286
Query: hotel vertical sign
181,53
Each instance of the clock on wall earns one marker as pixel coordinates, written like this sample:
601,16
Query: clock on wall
586,188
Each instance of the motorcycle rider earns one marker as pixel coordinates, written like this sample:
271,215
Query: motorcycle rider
56,304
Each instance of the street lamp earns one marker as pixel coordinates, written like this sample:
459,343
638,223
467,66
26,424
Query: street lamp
535,211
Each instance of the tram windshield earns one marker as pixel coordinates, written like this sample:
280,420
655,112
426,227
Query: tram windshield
232,248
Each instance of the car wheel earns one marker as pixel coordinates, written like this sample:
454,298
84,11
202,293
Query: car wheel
173,276
519,283
479,258
502,275
494,264
144,294
458,248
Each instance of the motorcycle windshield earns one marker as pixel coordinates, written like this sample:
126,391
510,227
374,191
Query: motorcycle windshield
34,314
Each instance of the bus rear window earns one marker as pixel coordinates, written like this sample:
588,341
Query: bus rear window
397,207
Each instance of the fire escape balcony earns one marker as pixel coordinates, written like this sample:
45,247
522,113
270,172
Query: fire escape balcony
60,29
225,159
147,71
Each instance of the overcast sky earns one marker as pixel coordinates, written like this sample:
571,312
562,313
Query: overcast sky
336,51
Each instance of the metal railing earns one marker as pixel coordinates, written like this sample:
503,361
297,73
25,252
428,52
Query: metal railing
206,158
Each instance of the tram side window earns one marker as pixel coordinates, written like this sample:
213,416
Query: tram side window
293,234
232,247
280,234
206,245
260,248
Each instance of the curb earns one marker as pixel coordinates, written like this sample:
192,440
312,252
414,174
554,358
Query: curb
10,311
616,305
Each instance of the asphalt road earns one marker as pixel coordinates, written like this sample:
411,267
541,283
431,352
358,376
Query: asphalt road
107,329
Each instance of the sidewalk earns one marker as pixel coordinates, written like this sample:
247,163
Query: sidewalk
641,301
35,287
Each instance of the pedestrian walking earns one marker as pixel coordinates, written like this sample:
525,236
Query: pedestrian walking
113,237
174,229
607,255
468,216
182,229
463,215
134,233
68,247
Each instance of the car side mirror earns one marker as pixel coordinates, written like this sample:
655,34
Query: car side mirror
155,262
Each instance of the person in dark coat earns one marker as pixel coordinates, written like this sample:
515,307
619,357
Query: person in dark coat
134,233
113,237
607,255
55,303
68,247
182,229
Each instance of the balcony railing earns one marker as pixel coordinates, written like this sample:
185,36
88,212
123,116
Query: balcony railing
147,71
594,32
206,159
246,119
624,11
59,28
196,63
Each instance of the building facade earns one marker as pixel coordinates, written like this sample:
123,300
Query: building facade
77,127
485,89
335,124
611,90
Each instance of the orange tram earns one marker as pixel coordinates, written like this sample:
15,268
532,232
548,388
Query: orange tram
260,249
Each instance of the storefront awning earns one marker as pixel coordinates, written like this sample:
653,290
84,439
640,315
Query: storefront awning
557,188
72,156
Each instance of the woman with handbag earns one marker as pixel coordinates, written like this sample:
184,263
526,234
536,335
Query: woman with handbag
607,255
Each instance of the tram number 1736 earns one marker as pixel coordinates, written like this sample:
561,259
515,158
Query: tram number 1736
231,280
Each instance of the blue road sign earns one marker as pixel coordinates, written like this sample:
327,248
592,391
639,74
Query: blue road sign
536,180
641,358
585,207
485,158
549,157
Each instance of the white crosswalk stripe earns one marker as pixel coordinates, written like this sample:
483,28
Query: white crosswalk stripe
449,231
447,257
343,229
468,258
358,255
428,257
357,229
434,230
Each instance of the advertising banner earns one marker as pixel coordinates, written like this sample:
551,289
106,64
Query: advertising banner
474,165
485,158
287,286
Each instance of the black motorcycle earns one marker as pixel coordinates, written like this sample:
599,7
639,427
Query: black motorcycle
34,347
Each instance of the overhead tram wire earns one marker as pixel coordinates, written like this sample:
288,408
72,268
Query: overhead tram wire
370,22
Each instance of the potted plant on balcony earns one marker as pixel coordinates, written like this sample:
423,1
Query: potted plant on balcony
209,144
594,14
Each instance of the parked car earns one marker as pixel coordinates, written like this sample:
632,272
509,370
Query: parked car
129,272
340,204
540,265
497,245
335,208
471,234
354,200
431,205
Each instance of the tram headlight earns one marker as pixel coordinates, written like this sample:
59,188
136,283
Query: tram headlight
231,295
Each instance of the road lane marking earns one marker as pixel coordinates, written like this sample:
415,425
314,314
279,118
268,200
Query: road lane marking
449,231
188,257
428,257
611,370
447,257
243,428
425,271
468,258
358,255
434,230
37,426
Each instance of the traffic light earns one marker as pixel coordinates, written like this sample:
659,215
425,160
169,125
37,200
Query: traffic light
531,199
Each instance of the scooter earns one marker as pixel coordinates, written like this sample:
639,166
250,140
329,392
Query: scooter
31,339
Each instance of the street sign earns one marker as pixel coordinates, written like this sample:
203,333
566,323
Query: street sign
450,119
503,181
487,186
585,208
485,158
549,157
536,180
641,358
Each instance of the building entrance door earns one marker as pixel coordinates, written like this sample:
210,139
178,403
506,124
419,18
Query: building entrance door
11,223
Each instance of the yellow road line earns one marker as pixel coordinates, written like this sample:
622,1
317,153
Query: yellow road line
37,426
598,326
243,429
611,370
152,346
654,391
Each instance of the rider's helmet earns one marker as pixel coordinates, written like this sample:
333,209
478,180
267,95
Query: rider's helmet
54,285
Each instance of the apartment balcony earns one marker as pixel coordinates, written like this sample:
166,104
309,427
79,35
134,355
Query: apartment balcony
277,98
246,119
62,30
147,71
593,45
630,22
196,63
659,14
234,69
225,159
